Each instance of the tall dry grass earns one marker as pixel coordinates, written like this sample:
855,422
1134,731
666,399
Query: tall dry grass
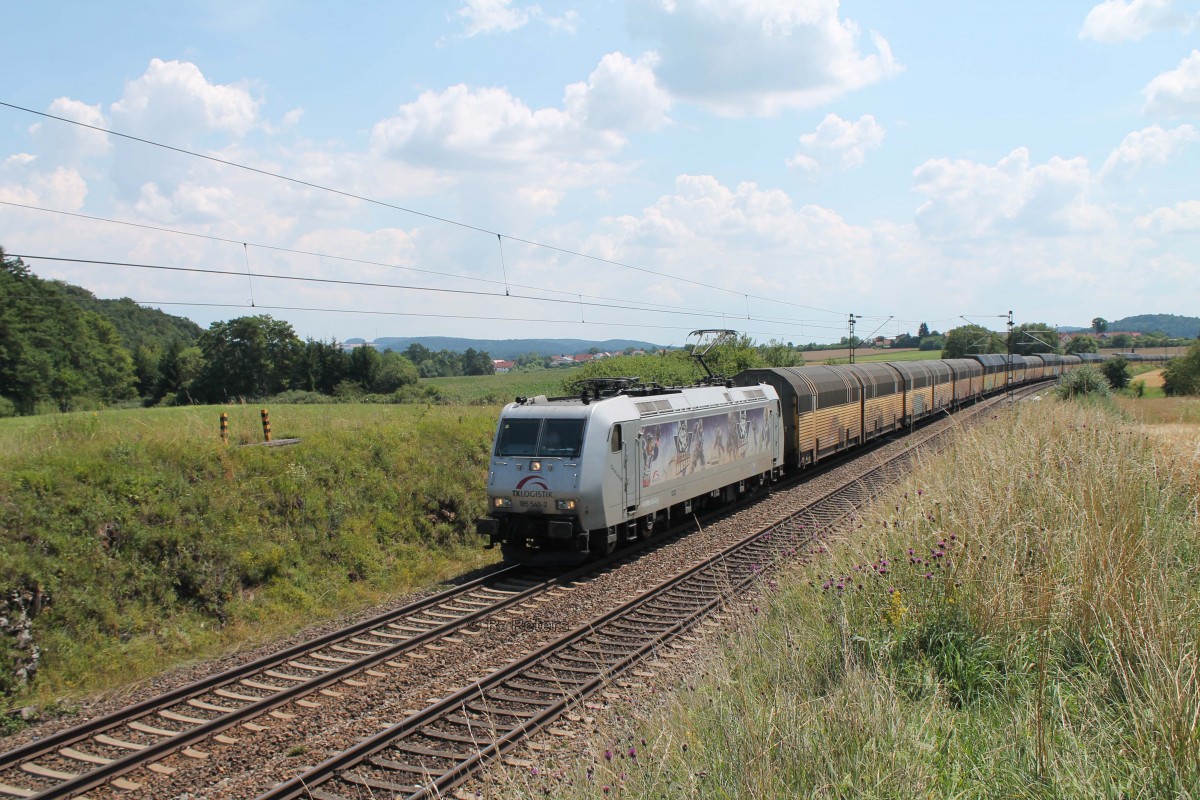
1020,620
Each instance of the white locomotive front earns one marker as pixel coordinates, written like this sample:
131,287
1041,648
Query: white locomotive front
575,476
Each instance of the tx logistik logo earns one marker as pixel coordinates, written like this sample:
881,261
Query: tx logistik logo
537,487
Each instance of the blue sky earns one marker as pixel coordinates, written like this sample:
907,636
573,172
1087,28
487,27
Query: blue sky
764,165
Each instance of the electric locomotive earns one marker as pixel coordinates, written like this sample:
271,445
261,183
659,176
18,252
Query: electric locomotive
575,476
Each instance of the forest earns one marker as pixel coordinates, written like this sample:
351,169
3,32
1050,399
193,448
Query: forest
62,348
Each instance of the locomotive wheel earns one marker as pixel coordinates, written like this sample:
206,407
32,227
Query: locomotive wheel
600,545
646,527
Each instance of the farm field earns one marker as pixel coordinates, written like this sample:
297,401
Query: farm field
150,544
993,627
870,355
499,389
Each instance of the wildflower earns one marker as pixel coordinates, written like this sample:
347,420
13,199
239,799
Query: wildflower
910,551
920,492
533,770
608,755
891,590
928,576
633,750
685,747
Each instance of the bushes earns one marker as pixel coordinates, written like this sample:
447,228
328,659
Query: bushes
1116,371
1181,376
1087,380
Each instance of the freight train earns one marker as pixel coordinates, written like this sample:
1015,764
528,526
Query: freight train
574,477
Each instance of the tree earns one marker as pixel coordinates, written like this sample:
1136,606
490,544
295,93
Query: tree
1099,324
363,365
247,357
395,371
1181,376
971,339
51,350
933,342
1033,337
1082,344
1116,371
1122,340
922,331
781,354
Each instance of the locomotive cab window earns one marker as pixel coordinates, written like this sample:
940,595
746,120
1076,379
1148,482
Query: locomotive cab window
518,437
562,438
616,439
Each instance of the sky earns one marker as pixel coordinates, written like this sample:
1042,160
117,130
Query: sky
603,169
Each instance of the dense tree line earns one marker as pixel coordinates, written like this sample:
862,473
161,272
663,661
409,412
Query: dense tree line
52,351
62,347
447,363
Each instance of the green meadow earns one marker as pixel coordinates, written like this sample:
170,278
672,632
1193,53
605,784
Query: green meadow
156,544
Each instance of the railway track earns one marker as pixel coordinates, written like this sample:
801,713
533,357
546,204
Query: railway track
437,748
102,750
223,707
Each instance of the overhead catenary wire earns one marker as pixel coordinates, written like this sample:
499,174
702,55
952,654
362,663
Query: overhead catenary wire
367,262
397,207
365,284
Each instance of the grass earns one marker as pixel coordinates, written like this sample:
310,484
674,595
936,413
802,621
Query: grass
157,545
499,389
1020,620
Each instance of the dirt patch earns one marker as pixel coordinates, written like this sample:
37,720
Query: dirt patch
1152,379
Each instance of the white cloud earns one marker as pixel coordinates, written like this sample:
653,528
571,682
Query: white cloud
1182,218
1176,93
464,128
71,143
966,200
757,57
620,94
1131,20
1152,146
501,16
174,98
21,181
493,132
838,143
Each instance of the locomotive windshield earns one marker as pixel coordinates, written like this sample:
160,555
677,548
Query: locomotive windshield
561,438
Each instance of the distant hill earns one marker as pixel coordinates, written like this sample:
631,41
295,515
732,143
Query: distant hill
1172,325
507,348
137,325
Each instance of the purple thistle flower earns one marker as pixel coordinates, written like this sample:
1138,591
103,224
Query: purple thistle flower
608,755
633,750
920,492
928,576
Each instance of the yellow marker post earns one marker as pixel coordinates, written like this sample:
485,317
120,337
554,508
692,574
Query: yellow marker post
224,428
266,419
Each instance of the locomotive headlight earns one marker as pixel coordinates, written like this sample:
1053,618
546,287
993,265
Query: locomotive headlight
564,505
502,502
535,466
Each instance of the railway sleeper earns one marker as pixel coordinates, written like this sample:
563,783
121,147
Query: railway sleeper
485,724
522,686
411,748
504,697
376,783
424,770
451,736
549,678
492,710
